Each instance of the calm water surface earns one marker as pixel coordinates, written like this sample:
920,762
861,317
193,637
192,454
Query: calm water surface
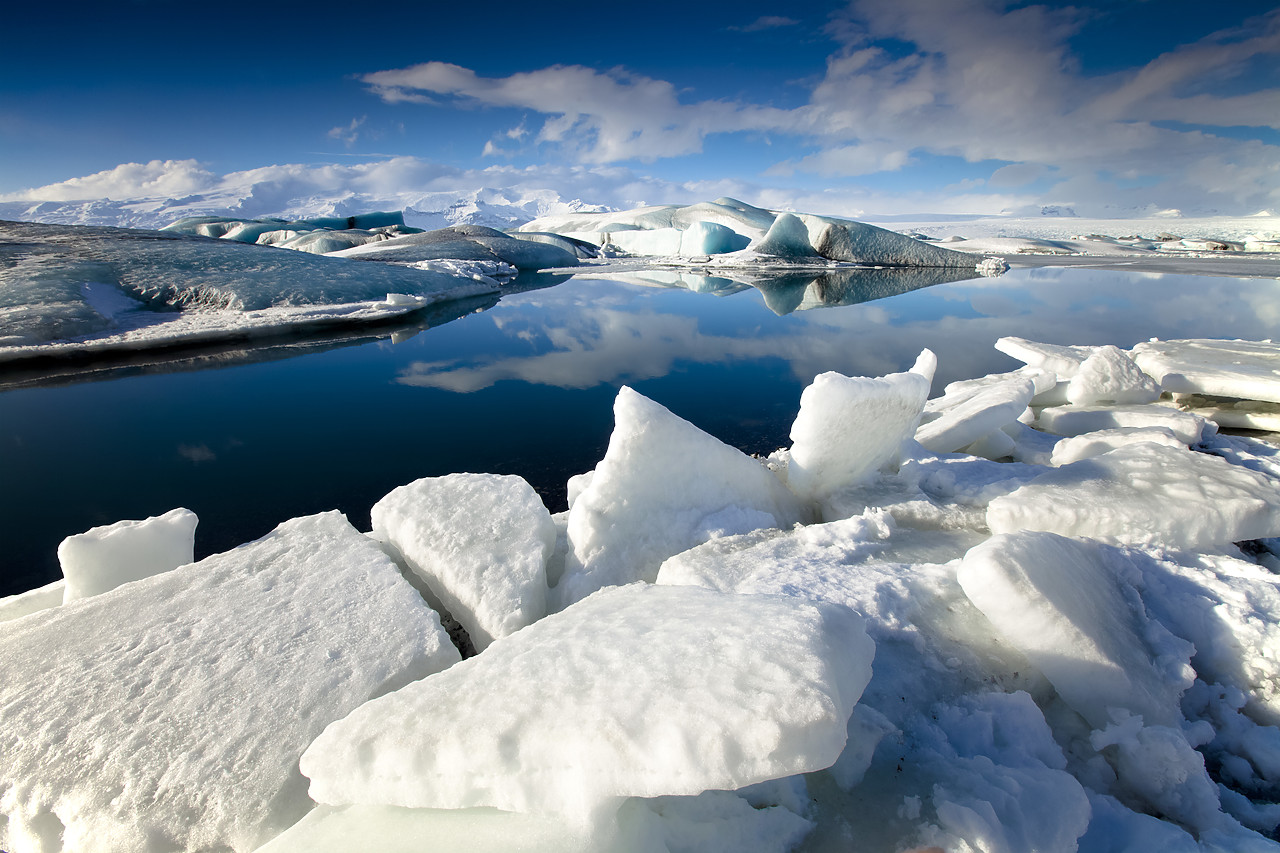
527,388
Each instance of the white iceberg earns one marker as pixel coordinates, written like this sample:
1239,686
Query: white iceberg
103,558
663,486
637,691
480,542
170,713
1145,494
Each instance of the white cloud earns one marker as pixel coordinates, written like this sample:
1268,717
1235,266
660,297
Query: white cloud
974,79
766,22
158,178
350,133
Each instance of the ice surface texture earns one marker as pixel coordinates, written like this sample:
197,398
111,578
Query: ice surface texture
103,558
479,541
663,486
1245,369
43,297
728,225
170,713
1145,494
465,242
637,691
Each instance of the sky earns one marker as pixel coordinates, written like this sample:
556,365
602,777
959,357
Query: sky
888,107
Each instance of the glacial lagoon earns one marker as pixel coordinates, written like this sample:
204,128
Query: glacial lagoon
524,385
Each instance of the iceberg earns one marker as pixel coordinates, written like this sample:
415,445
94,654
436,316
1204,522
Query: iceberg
559,718
66,283
464,242
170,713
480,542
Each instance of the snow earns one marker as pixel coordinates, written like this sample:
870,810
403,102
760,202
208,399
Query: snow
1102,441
558,717
464,242
103,558
480,542
663,486
1147,494
1241,369
1109,375
1045,594
850,426
32,601
183,289
170,713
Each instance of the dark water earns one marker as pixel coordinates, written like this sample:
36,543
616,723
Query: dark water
525,387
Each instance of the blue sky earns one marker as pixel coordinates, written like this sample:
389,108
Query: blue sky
864,106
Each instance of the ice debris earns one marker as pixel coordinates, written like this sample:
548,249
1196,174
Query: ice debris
1075,649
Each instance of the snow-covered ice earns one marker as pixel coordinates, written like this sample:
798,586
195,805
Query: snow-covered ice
480,542
464,242
638,690
663,486
103,558
169,713
1146,493
1241,369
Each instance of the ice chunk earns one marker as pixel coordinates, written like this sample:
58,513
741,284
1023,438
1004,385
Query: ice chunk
1246,369
1063,361
1231,413
169,714
1110,376
32,601
994,445
103,558
1072,608
957,420
479,541
850,426
659,481
464,242
787,238
1090,444
846,240
1145,494
710,238
1077,420
637,691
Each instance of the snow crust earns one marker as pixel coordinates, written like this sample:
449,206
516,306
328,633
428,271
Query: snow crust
170,713
750,689
103,558
480,542
861,640
663,486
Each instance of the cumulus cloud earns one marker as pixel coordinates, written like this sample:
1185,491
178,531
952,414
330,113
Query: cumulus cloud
158,178
599,116
978,80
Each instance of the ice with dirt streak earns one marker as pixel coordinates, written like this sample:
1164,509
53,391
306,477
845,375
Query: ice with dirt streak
639,690
170,713
1145,493
480,542
663,486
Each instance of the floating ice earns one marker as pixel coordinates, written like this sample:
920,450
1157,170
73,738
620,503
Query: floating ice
1090,444
1078,420
850,426
1110,376
637,691
1063,361
103,558
1244,369
169,714
857,242
659,482
464,242
958,419
42,297
1145,494
479,541
1070,606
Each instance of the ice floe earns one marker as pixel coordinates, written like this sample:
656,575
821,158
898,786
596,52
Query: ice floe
874,636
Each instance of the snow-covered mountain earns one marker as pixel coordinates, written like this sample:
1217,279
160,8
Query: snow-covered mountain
496,208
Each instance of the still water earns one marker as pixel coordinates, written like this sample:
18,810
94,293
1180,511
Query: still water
526,387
